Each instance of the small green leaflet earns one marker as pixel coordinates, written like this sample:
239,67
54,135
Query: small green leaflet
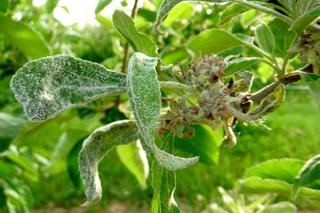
95,147
310,172
138,41
61,82
265,38
101,5
25,38
145,100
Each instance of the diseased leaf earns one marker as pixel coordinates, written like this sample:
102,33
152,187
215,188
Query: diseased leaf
9,128
138,41
101,5
240,64
22,36
61,82
135,160
265,38
231,12
95,147
309,173
213,41
305,20
145,100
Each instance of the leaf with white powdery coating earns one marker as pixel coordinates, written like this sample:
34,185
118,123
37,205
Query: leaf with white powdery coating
145,100
49,85
95,147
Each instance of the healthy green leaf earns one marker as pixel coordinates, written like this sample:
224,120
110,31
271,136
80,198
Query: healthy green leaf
181,11
305,20
9,128
284,37
204,144
145,100
139,41
310,172
285,169
213,41
135,161
51,4
101,5
72,164
265,38
240,64
281,207
61,82
95,147
23,37
231,12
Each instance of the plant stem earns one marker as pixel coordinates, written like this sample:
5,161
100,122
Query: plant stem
126,48
264,9
288,79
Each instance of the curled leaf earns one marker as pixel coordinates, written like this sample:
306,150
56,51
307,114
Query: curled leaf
145,100
49,85
95,147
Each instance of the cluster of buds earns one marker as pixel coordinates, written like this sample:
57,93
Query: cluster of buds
215,99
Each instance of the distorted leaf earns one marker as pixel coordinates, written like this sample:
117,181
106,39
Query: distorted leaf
61,82
145,100
95,147
139,41
23,37
310,172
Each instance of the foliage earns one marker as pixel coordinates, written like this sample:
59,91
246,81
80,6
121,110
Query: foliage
211,84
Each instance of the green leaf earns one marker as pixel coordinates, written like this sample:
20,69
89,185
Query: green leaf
265,38
61,82
204,144
285,169
231,12
95,147
138,41
145,99
310,172
181,11
305,20
134,161
164,185
213,41
4,5
51,4
284,37
240,64
260,185
72,164
281,207
9,128
101,5
23,37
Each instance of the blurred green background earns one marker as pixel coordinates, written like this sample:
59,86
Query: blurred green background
37,169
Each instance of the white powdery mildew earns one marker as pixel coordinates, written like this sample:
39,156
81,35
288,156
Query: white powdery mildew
52,84
145,99
95,147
